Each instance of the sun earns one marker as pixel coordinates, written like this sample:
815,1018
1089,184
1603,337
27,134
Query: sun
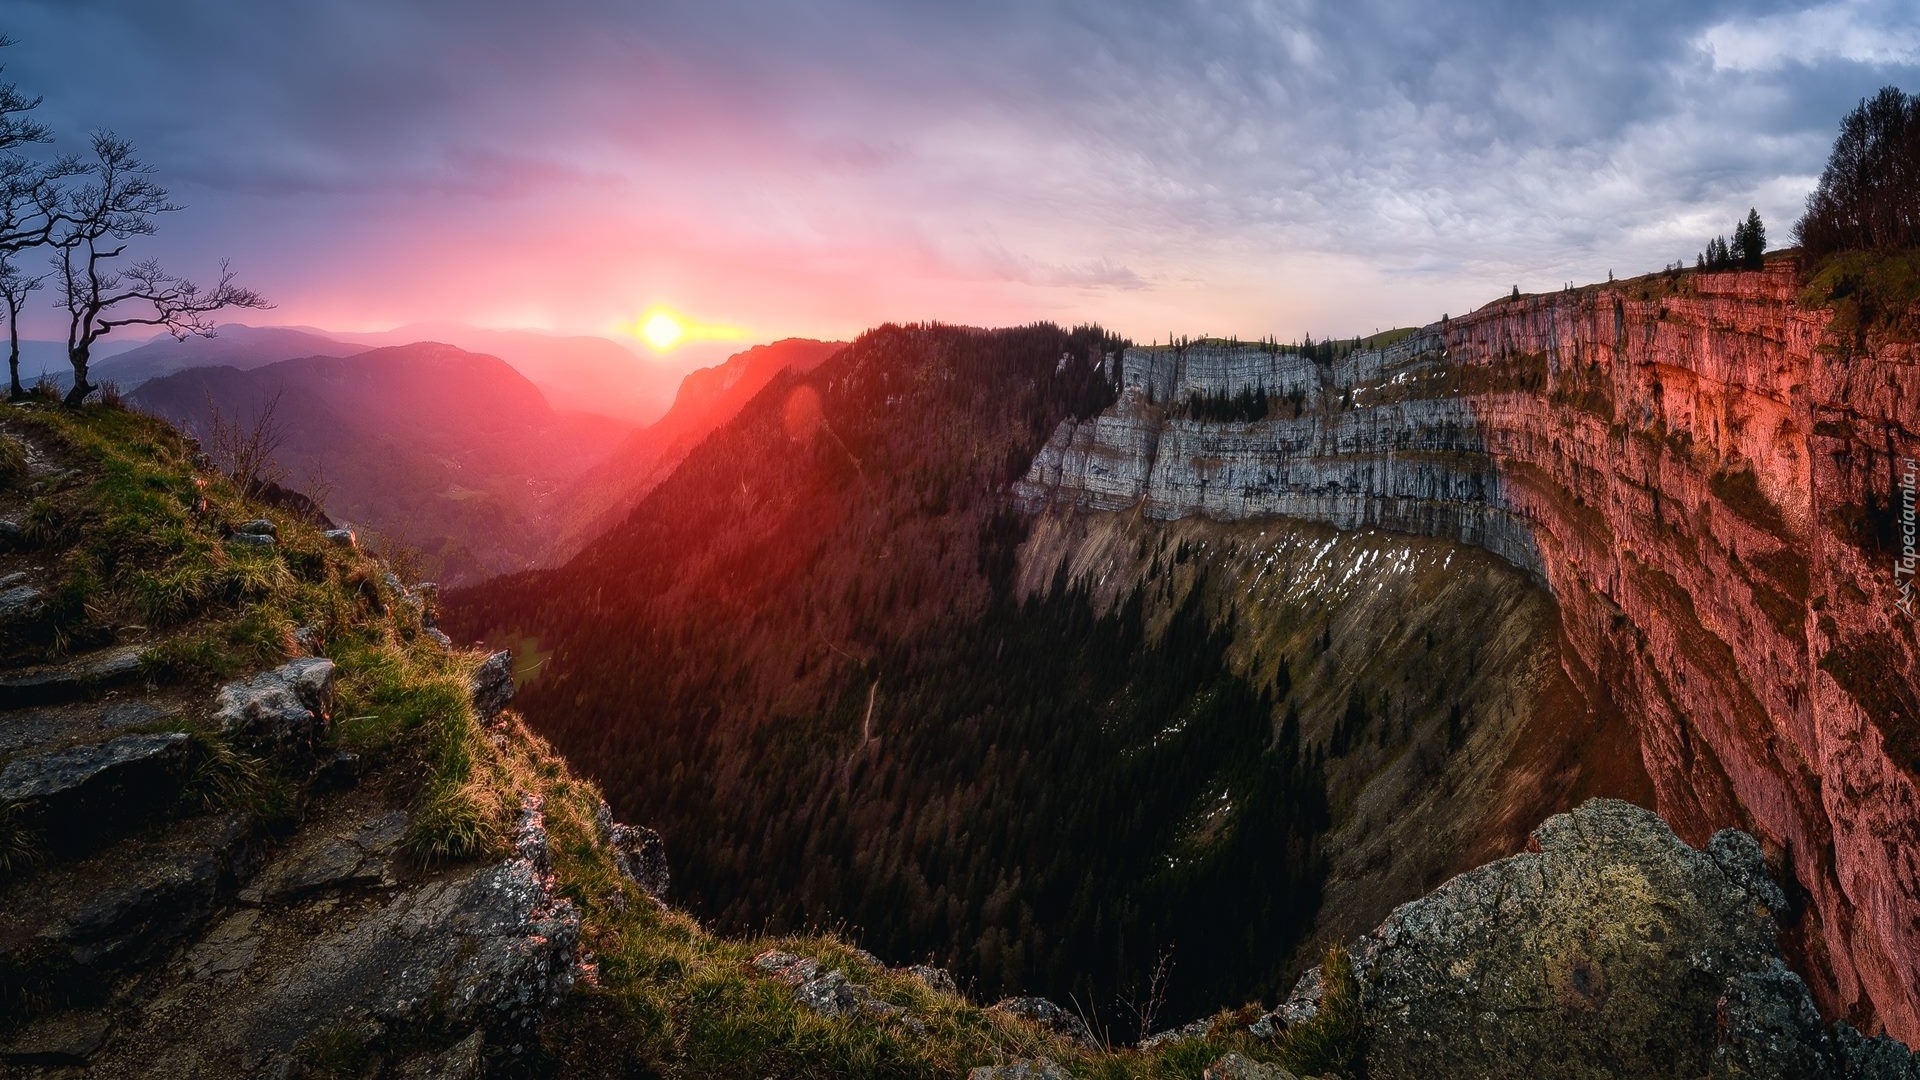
662,330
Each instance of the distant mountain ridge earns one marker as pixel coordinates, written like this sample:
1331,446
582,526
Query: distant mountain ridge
451,453
575,372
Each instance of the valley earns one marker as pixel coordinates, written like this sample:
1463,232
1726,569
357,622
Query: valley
1046,751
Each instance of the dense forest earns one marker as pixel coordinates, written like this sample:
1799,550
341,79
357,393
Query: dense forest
800,659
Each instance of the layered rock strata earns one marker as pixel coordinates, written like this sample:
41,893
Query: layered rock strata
1711,487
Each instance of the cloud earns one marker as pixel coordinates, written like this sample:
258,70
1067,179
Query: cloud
1856,33
1256,166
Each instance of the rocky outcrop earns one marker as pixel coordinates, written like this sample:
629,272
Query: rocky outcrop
78,797
330,949
827,991
1708,484
1050,1016
281,711
638,852
492,684
1610,949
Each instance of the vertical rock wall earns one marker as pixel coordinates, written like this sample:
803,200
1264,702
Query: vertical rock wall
1711,491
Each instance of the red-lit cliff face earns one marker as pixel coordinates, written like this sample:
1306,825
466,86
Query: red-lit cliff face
1695,473
1703,481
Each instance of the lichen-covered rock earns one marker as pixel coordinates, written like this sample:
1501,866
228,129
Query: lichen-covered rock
1022,1069
21,605
1240,1067
282,710
1198,1029
1614,949
826,991
77,797
255,540
935,978
257,527
639,853
492,685
1047,1014
342,538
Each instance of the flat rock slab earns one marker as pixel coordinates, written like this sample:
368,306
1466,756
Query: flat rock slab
358,855
476,949
70,681
67,929
56,727
61,1039
78,797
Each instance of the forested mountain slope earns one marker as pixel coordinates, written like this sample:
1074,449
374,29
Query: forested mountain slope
848,680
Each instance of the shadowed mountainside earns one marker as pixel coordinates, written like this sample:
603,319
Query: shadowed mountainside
708,398
453,454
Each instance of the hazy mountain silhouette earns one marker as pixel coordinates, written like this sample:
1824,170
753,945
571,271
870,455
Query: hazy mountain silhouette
451,453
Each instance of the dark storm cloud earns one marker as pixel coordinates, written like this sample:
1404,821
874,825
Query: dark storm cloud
1099,157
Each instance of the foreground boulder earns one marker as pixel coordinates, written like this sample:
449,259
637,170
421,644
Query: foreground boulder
1611,949
280,711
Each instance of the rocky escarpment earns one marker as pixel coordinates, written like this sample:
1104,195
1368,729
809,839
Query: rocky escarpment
1610,948
1706,481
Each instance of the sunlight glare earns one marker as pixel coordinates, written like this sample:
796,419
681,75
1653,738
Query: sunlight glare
662,331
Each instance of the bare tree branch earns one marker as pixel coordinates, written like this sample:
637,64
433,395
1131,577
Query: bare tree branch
93,224
244,448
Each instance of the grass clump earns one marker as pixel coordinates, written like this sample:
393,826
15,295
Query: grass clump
13,460
1334,1041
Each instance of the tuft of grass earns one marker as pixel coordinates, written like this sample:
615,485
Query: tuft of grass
46,524
13,460
20,846
1334,1041
343,1050
224,777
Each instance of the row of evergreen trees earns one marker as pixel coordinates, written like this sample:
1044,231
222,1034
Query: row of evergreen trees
1746,252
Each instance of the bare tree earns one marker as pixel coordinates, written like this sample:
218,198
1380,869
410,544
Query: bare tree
15,287
244,448
95,222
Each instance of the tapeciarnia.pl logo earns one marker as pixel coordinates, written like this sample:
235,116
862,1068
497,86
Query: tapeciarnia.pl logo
1903,567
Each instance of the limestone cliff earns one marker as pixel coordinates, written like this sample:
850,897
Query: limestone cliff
1705,481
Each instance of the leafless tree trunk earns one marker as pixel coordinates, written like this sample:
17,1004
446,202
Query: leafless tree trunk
14,290
95,220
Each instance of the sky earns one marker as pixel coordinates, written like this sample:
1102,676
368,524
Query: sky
815,168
